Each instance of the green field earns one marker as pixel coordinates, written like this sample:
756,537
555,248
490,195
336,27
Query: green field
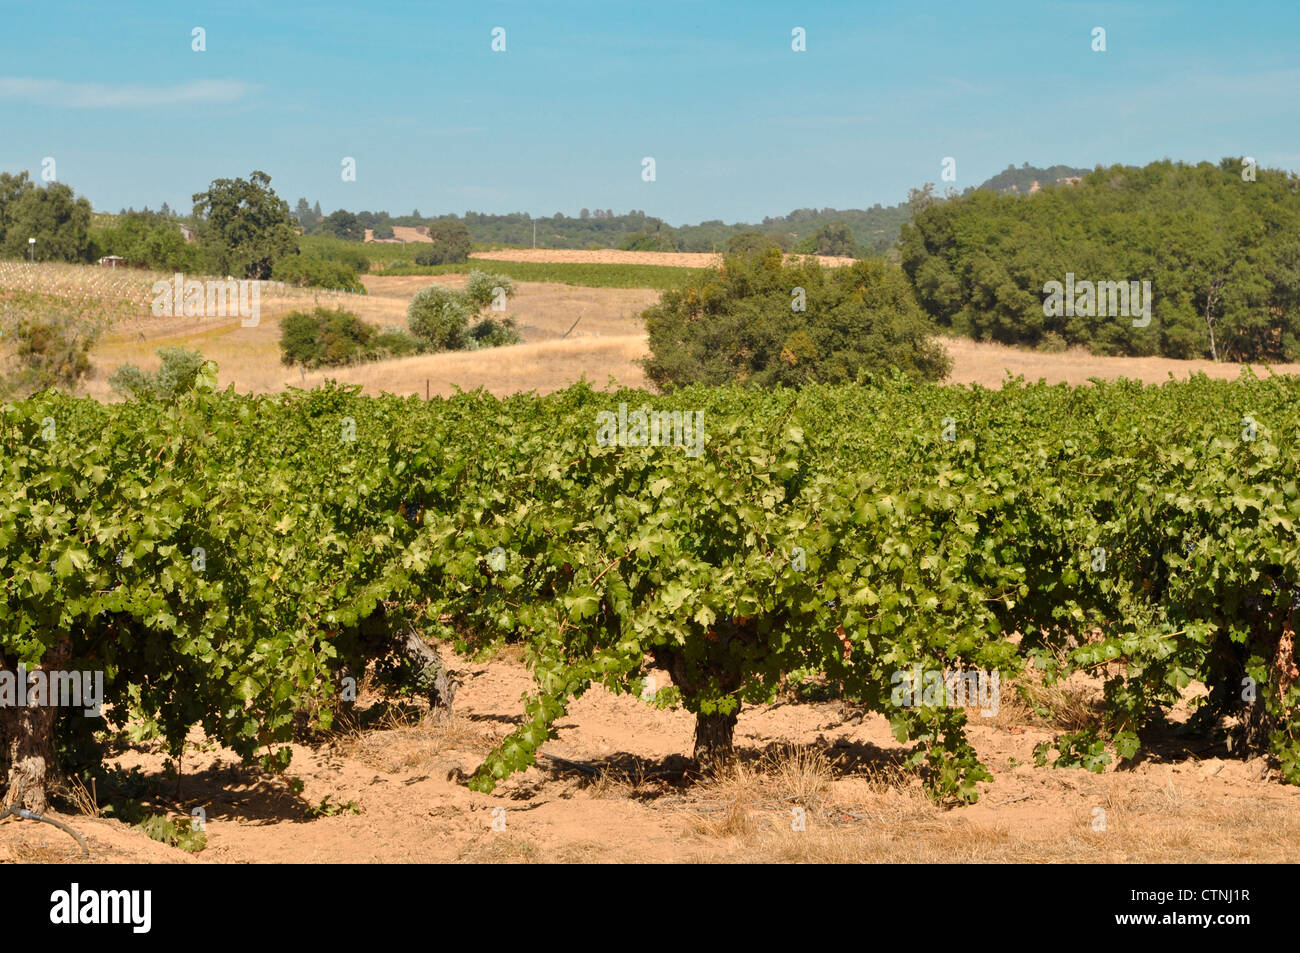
389,259
586,275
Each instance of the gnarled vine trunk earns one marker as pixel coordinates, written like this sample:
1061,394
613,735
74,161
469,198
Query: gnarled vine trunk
430,674
28,737
713,740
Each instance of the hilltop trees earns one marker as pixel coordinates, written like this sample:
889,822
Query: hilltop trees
760,321
304,216
834,240
245,227
1221,250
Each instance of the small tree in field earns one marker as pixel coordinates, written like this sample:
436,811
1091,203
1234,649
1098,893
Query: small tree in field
757,320
451,243
440,316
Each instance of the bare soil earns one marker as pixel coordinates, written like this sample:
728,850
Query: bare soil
610,788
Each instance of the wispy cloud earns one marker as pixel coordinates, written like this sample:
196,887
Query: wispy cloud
52,92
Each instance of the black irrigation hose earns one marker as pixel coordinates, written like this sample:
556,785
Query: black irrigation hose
33,816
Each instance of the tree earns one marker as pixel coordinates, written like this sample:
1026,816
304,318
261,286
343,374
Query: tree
440,316
245,227
1172,259
744,243
305,216
177,373
759,321
58,221
324,338
11,187
834,241
343,224
451,243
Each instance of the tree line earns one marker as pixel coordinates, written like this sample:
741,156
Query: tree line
1218,244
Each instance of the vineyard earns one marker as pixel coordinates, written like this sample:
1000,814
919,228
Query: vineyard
583,274
236,562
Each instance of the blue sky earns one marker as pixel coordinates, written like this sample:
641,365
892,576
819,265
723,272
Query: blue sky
740,126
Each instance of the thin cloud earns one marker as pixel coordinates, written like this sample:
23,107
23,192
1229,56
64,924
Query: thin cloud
53,92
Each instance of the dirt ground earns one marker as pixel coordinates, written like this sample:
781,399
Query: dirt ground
609,788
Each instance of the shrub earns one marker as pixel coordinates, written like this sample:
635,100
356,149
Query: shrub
451,243
742,322
488,332
395,342
325,337
305,270
177,373
481,289
51,352
438,316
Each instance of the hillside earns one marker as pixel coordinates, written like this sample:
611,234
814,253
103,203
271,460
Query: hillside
1028,178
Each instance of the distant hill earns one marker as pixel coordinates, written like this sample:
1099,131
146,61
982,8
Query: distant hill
874,229
1029,178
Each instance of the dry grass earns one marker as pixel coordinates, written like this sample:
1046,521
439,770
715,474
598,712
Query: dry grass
396,746
543,367
606,342
786,783
988,364
500,847
84,800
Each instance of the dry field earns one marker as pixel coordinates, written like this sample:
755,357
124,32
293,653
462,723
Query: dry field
989,364
606,343
611,788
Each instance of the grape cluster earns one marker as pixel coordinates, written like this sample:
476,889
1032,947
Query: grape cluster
411,510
